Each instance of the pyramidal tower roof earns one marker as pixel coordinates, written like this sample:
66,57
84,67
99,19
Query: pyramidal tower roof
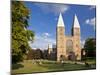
60,21
76,22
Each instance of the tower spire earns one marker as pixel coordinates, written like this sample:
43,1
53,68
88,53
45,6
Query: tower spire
60,21
76,23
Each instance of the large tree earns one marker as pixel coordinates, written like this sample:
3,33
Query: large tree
20,34
90,47
35,54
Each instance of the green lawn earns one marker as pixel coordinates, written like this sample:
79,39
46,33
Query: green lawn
46,66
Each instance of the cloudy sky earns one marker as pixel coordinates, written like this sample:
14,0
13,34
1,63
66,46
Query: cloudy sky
44,17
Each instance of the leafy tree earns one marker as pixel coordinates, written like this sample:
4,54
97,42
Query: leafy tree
20,34
35,54
45,54
38,54
30,54
90,47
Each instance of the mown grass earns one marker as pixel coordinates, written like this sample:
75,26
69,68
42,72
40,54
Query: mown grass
46,66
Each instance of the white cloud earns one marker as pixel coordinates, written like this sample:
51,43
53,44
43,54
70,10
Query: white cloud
92,7
52,8
46,35
42,41
91,22
82,43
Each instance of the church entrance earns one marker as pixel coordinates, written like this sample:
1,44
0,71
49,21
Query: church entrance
69,50
71,56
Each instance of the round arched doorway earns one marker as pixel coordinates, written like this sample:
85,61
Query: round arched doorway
69,50
71,56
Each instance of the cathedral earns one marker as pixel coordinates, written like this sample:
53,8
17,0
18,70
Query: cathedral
67,47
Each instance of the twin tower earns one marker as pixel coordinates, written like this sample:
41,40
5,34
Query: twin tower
68,47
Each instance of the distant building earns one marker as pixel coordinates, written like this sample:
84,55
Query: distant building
52,52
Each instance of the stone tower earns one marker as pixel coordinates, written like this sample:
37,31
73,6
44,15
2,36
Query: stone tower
49,48
49,51
60,38
68,46
76,38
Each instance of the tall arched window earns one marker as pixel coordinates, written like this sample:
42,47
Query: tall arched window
69,46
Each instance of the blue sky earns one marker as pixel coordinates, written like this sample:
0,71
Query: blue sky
44,17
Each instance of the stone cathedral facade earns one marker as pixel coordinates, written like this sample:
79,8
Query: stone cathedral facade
67,47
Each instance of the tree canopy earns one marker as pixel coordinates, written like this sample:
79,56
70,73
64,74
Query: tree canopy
35,54
90,47
20,34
